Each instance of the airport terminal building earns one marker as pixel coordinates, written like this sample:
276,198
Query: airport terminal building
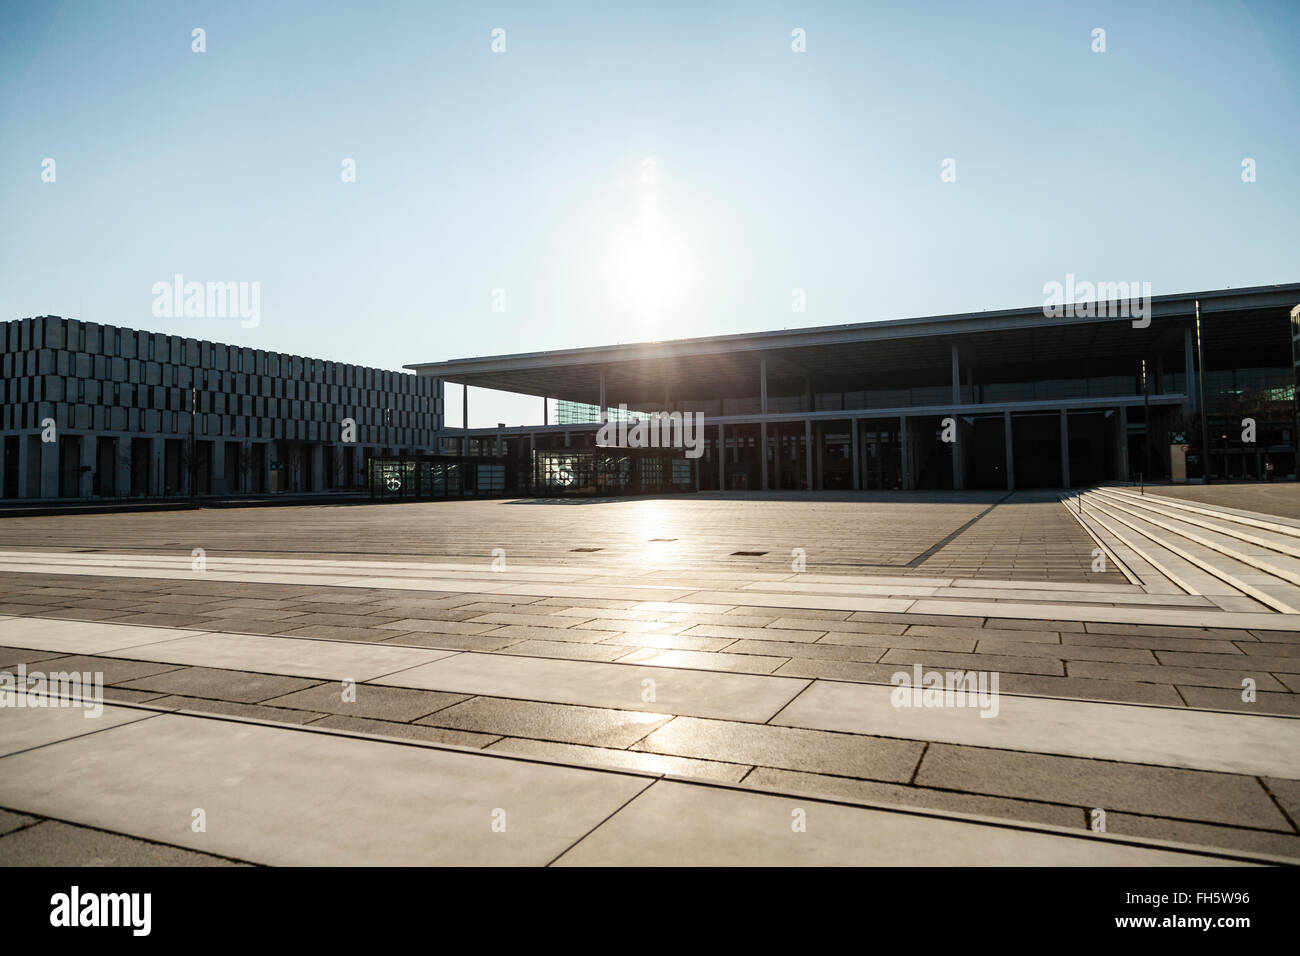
91,411
985,400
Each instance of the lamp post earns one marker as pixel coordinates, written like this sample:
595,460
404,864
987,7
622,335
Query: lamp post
1200,386
1146,406
194,442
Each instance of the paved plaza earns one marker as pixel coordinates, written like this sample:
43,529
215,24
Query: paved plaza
618,685
974,534
1275,498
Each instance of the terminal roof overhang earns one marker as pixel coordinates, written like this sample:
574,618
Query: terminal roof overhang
727,365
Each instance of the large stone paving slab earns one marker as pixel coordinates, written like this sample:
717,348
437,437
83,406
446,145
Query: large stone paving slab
676,824
292,797
891,794
51,843
578,725
367,700
26,727
80,637
1229,743
623,686
1154,791
294,657
11,657
114,670
237,686
626,759
787,748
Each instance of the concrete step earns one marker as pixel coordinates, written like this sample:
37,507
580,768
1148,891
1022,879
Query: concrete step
1246,548
1160,569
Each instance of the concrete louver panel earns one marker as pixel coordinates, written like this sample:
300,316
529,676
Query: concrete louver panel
98,381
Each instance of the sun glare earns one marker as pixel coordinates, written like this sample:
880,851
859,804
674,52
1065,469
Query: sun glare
648,264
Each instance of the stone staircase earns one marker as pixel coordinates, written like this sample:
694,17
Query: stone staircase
1239,560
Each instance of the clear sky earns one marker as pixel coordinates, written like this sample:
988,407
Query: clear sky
526,170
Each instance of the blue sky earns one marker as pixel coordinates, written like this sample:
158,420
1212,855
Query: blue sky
524,171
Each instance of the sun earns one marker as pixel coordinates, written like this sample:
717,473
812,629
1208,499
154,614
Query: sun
648,264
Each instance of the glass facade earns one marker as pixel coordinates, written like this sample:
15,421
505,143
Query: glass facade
445,476
599,472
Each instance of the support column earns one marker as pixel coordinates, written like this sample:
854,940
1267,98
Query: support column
317,467
89,456
808,457
601,413
217,478
531,479
50,468
464,407
546,411
762,430
776,457
340,479
956,377
905,452
857,477
819,462
157,466
266,465
1189,378
122,462
1065,449
26,488
1011,454
1121,442
722,457
958,474
189,462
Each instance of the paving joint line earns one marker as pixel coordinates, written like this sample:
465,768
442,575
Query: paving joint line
40,818
615,812
90,733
